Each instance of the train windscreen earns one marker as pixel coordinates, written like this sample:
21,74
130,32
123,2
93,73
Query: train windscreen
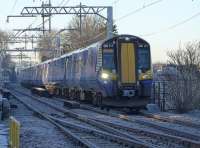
108,59
144,58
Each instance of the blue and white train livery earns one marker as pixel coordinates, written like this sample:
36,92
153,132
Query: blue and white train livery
113,72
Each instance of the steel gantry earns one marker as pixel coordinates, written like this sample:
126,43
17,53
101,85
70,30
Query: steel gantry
46,10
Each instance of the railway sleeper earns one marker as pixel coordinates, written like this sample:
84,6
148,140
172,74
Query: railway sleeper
87,120
171,130
75,138
111,137
172,120
165,137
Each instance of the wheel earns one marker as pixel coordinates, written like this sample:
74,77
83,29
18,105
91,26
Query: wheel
82,95
71,94
94,99
107,109
67,93
99,98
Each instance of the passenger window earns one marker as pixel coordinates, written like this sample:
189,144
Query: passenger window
77,66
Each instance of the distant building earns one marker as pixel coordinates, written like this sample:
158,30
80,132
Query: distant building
164,72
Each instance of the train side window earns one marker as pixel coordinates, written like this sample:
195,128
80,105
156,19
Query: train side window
76,65
80,65
90,57
67,70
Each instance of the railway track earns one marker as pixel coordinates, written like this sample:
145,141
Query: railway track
160,117
173,119
171,136
164,139
148,137
87,136
36,132
166,129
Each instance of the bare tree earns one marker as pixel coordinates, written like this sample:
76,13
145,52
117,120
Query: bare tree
3,40
93,29
6,62
5,58
6,65
47,45
184,89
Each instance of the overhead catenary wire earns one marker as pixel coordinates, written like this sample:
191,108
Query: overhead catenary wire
61,2
52,16
95,37
173,26
14,5
138,10
30,25
66,2
115,2
36,18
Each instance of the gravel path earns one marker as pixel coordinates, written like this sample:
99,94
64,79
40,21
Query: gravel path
3,134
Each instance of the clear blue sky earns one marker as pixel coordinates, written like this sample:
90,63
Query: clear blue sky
149,20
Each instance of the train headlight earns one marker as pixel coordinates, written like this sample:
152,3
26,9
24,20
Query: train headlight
104,75
145,76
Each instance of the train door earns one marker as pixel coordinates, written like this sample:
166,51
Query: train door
127,64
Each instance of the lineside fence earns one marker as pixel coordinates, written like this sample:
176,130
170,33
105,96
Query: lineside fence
160,94
14,133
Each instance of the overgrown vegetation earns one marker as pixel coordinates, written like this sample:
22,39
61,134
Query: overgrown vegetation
184,89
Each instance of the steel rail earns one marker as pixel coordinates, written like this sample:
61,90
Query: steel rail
97,132
65,130
166,137
168,129
175,132
187,138
117,133
171,120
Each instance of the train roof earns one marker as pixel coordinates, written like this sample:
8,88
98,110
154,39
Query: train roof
99,43
126,35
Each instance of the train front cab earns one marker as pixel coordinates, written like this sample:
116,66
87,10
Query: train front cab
126,71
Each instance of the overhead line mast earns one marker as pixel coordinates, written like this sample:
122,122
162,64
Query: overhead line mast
47,10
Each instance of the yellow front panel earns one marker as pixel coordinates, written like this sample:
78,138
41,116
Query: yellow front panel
131,63
128,63
124,65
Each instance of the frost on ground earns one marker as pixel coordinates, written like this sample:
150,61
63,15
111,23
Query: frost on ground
194,113
36,132
3,134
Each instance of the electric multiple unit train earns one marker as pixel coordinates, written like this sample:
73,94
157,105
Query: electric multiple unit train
114,72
